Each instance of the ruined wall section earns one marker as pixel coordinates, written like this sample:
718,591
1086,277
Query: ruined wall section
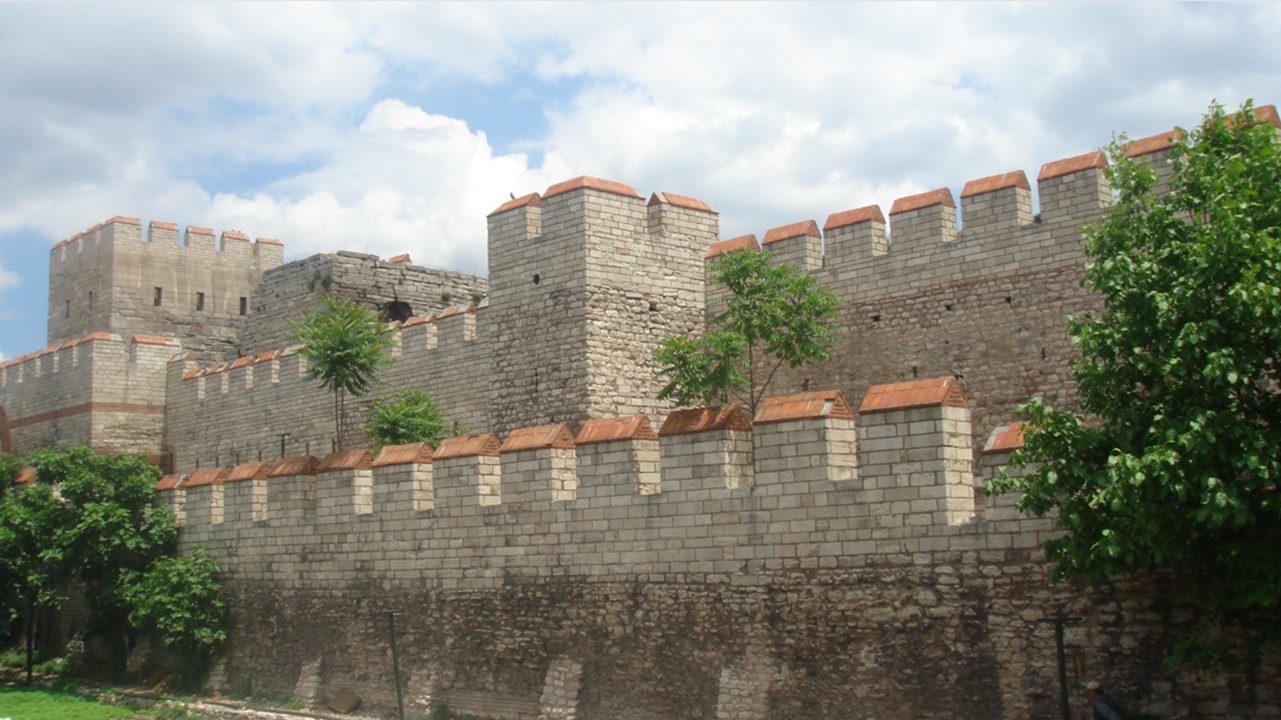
101,390
113,279
588,266
396,288
986,302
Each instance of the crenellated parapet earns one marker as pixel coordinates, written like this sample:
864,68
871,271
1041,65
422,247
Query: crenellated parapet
102,389
116,278
808,483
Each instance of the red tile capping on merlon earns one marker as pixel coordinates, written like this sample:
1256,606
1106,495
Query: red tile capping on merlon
124,221
403,258
992,183
945,391
484,444
538,438
1095,160
590,183
825,404
1262,114
249,471
870,213
942,196
530,200
1005,438
681,201
168,482
603,430
409,454
724,246
209,476
25,476
346,460
787,232
687,421
297,465
1153,143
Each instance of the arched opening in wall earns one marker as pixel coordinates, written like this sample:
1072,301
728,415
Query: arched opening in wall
6,445
395,311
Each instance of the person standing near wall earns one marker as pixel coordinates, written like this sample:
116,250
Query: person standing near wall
1104,709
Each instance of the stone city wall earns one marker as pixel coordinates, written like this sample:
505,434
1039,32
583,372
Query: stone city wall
112,279
101,389
851,568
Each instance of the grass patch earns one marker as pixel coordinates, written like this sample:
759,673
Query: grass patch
58,703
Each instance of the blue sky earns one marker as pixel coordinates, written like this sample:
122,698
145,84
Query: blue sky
390,128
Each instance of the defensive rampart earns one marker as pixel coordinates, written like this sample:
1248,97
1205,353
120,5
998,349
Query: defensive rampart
100,389
798,566
111,278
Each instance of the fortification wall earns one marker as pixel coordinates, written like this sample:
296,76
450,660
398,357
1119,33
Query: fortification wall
585,280
396,287
627,574
112,279
235,412
100,390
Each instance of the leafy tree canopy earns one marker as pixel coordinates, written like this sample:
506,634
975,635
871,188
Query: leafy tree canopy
1180,378
774,315
345,347
408,416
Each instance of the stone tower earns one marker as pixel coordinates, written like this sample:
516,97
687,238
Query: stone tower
584,282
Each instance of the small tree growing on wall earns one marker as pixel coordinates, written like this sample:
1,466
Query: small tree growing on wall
775,315
409,416
345,346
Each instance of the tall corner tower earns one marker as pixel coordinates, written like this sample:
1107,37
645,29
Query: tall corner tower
585,280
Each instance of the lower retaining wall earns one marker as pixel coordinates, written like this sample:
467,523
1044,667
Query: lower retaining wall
968,638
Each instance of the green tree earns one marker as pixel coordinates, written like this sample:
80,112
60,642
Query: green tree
408,416
89,523
345,346
1180,375
180,598
774,315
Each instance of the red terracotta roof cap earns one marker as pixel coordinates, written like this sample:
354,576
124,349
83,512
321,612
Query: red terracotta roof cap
346,460
1153,143
1260,115
168,482
538,438
402,258
249,471
234,235
267,355
123,221
795,230
942,196
241,362
945,391
684,201
871,213
687,421
483,444
1005,438
192,230
602,430
447,312
416,320
297,465
269,241
410,454
1089,161
159,225
153,340
208,476
724,246
584,182
530,200
825,404
992,183
25,475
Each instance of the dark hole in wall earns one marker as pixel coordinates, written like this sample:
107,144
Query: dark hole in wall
395,311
